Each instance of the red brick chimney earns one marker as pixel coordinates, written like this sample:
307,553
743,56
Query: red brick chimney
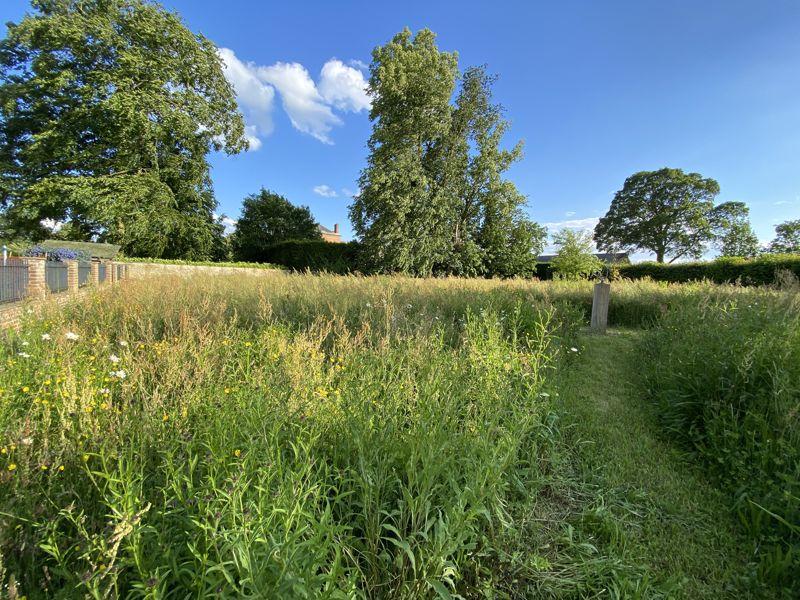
335,228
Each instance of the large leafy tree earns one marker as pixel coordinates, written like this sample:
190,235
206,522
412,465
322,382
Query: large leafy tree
433,198
268,218
108,109
787,238
733,232
667,212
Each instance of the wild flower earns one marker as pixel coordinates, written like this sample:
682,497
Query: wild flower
26,441
237,453
23,354
26,343
118,374
25,389
573,349
114,358
12,467
165,418
123,343
105,391
71,336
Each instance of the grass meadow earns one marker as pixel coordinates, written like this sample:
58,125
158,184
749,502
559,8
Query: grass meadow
381,437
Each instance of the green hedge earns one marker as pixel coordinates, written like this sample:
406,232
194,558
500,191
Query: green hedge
747,271
315,255
754,271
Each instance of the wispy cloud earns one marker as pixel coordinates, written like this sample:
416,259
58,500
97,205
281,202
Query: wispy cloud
325,191
230,224
309,105
587,224
569,214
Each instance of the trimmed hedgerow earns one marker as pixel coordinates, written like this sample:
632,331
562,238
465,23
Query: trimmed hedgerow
315,255
754,271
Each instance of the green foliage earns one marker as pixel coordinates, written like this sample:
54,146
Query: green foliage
787,238
725,377
733,232
315,255
90,249
433,199
107,112
667,212
575,258
764,270
268,218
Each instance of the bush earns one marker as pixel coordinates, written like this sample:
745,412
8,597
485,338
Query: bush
57,254
747,271
314,255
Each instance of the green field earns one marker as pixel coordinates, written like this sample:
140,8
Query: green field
386,437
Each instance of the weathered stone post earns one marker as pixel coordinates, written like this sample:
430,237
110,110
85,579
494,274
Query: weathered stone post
37,282
72,275
94,273
602,293
111,272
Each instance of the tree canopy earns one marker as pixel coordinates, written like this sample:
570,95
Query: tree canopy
268,218
108,109
787,238
733,232
433,198
667,212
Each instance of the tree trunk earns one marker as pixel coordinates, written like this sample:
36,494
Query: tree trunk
660,256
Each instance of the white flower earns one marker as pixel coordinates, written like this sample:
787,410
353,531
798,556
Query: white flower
118,374
408,306
123,343
45,336
71,336
573,349
26,343
369,305
29,311
105,391
23,354
26,441
114,358
544,394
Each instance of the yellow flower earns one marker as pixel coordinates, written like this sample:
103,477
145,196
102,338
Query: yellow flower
165,418
3,450
61,468
47,382
237,453
248,344
43,467
104,405
25,389
85,458
12,467
227,390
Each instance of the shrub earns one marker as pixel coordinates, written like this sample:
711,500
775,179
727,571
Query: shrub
57,254
315,255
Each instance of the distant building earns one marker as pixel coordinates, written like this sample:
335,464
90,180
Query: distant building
608,258
330,236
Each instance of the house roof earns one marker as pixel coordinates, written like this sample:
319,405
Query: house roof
606,257
324,229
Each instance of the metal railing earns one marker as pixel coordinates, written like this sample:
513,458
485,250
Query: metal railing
13,279
55,274
101,272
84,273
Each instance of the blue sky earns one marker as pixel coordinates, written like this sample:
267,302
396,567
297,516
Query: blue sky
597,90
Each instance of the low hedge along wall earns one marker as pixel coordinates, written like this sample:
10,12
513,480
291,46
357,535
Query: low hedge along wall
316,255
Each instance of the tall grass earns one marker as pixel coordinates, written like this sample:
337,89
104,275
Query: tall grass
725,374
313,438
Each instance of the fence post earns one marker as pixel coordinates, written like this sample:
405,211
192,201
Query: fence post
72,275
94,273
37,282
602,293
111,272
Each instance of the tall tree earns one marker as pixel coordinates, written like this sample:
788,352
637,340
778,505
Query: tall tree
787,238
108,109
732,230
433,198
268,218
667,212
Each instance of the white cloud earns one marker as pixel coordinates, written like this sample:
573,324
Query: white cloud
570,213
310,106
325,191
302,102
360,65
255,98
587,224
230,224
343,87
51,224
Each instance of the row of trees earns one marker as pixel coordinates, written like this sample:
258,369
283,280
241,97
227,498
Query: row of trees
109,108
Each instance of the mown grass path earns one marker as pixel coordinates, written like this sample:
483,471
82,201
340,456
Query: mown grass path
666,516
